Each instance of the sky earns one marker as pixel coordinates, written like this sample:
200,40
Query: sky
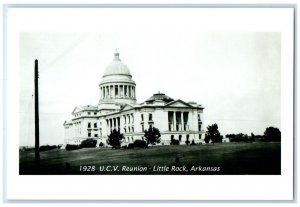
236,76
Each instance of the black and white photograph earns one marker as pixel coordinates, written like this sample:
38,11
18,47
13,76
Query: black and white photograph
161,103
116,96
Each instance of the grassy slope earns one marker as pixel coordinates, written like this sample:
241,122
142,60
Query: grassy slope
233,158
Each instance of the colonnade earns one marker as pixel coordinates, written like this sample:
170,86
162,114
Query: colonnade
117,91
178,120
113,123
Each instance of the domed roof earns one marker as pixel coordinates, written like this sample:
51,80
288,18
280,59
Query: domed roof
116,67
159,96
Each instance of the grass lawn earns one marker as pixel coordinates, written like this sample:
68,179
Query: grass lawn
255,158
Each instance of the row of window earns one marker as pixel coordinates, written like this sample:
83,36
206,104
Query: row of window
129,118
90,125
90,135
149,117
88,113
128,129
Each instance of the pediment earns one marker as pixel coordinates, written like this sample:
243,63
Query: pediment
127,107
178,103
77,109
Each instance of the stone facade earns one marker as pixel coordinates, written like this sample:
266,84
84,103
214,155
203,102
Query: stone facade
117,109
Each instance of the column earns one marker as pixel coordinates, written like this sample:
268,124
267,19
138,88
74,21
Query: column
100,92
107,127
129,91
132,92
111,124
182,123
174,120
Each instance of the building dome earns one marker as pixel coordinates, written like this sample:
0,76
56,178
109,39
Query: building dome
116,67
159,96
117,86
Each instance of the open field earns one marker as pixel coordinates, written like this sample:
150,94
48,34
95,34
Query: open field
256,158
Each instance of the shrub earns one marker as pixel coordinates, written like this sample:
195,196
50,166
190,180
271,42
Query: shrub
239,137
193,142
130,146
187,142
140,143
72,147
88,143
101,144
174,142
47,147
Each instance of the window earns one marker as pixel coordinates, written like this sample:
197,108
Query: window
132,129
89,134
143,128
150,117
180,136
89,125
95,113
172,137
116,91
95,125
142,117
96,135
187,139
89,113
171,120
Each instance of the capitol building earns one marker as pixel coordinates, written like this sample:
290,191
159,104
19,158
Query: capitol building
118,109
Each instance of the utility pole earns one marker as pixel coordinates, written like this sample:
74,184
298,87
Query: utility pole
36,114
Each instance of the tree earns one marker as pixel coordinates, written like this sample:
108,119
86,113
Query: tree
213,134
152,135
272,134
115,139
88,143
